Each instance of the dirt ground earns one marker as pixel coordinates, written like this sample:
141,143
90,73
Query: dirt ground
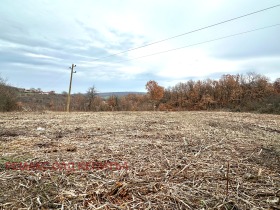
139,160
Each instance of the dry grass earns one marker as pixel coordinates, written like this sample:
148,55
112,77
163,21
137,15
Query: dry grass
177,160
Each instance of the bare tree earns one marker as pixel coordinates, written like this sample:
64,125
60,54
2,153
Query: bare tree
276,85
91,95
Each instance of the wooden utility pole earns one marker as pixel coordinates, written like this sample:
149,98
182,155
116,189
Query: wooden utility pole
70,86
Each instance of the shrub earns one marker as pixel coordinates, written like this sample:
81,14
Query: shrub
7,97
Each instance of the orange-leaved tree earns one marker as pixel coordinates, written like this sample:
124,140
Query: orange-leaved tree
155,91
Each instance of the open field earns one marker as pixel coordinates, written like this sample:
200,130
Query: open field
176,160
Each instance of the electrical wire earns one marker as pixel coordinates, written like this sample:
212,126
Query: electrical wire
189,32
199,43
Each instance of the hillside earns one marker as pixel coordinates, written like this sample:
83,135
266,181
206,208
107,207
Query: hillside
119,94
36,100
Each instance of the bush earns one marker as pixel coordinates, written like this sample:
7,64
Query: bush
7,97
271,105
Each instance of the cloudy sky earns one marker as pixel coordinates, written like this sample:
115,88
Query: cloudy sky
40,39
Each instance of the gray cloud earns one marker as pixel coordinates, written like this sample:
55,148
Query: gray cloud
39,41
257,44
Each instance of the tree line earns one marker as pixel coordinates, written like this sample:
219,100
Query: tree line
250,92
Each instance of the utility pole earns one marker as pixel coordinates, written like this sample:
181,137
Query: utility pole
70,86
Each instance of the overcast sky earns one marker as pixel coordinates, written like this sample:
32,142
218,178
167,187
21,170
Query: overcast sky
40,39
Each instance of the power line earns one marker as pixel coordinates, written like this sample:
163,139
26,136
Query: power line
199,43
189,32
212,40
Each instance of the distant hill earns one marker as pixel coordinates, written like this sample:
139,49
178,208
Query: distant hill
119,94
36,100
24,92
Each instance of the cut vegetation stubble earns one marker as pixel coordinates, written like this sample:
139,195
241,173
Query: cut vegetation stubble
176,160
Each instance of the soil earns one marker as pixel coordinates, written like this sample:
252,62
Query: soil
139,160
